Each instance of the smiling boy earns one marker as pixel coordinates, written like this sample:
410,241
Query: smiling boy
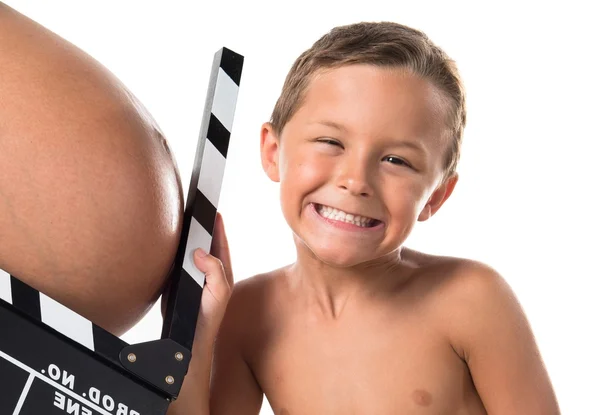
364,142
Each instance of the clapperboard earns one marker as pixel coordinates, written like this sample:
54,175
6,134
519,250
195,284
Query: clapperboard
54,361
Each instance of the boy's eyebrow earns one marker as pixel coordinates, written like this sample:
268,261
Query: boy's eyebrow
397,143
411,144
331,124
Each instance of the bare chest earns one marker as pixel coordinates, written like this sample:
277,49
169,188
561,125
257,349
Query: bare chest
369,369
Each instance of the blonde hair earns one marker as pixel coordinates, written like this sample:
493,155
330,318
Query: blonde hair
385,44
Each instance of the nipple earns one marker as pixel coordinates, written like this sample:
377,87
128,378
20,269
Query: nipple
422,397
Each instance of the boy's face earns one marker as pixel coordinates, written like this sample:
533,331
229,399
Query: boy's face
368,143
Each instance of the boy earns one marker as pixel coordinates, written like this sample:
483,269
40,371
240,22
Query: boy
364,142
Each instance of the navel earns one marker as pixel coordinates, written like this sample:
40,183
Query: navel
422,397
284,412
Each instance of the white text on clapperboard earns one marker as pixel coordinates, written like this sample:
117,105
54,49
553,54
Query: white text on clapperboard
74,407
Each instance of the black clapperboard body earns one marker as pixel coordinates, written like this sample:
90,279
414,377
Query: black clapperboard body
54,361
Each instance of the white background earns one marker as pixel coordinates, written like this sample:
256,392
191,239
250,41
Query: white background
526,202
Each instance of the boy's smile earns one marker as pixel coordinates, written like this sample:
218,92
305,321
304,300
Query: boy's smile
331,217
359,162
338,217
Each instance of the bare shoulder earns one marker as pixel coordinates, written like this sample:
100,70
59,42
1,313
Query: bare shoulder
250,308
252,293
480,315
471,285
234,386
464,295
458,278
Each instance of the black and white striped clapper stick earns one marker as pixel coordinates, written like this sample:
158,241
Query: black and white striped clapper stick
60,362
203,197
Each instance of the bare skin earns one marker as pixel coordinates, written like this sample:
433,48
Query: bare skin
359,324
414,347
90,197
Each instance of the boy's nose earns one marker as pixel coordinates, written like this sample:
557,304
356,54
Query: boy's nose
355,188
354,180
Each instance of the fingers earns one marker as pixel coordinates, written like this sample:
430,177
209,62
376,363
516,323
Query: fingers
220,248
214,275
215,295
218,280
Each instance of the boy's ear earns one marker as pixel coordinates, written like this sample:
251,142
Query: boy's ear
437,199
269,151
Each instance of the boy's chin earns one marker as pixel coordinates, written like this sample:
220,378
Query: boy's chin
338,258
332,255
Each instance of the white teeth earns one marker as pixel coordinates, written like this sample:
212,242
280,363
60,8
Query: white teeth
332,213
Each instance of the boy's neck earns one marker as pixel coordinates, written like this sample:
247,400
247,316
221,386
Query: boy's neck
329,289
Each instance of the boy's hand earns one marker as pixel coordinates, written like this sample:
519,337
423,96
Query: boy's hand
195,395
218,284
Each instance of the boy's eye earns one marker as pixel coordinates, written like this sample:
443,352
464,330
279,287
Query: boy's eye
329,141
396,160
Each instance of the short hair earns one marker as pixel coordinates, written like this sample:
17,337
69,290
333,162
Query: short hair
384,44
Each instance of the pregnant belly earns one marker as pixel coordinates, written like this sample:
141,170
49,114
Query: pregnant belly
90,196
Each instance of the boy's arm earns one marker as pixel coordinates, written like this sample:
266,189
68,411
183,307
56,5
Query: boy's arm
194,395
233,387
237,392
492,334
229,387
